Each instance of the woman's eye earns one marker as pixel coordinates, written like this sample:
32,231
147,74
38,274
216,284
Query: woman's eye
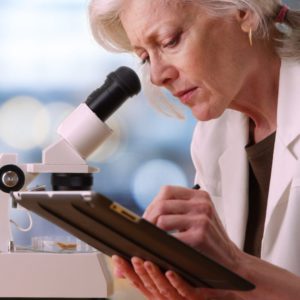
145,60
173,42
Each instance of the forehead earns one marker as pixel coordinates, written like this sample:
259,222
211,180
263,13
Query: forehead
144,18
147,7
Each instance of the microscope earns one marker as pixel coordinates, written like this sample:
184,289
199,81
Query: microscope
62,275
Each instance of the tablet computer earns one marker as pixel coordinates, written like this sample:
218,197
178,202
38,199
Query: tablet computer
113,229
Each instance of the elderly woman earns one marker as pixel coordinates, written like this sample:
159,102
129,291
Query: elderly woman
234,64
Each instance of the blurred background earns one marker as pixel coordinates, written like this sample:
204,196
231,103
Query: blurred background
49,64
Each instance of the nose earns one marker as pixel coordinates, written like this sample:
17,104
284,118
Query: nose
161,73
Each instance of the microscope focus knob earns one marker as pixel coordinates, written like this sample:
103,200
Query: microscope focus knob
12,178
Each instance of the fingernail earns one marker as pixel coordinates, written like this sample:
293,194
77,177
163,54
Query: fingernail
136,261
116,259
171,274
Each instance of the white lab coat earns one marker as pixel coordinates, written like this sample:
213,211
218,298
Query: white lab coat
219,156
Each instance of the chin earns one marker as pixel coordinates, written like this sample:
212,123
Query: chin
203,116
206,114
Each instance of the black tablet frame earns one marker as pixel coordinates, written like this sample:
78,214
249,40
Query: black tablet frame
115,230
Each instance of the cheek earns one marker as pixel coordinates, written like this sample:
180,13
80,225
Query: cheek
205,70
222,80
219,62
227,74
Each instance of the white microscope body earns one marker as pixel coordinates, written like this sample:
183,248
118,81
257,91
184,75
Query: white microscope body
76,275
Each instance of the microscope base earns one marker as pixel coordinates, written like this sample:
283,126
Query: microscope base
54,275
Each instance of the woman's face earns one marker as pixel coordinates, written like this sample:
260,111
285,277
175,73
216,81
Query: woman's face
202,60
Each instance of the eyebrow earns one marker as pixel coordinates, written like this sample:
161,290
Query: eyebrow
151,36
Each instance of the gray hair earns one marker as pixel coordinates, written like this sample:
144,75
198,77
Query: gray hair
108,31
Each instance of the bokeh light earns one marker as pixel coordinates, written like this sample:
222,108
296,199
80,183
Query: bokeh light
24,122
151,176
48,53
57,112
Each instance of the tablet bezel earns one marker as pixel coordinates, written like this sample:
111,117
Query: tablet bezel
115,230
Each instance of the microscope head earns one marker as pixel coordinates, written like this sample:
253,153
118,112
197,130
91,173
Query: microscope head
85,129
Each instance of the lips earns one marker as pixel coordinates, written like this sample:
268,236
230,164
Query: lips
185,95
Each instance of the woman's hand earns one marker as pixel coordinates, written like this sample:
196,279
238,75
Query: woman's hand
155,285
191,216
146,277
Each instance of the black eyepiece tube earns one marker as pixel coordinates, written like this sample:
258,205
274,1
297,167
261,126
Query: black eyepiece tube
118,86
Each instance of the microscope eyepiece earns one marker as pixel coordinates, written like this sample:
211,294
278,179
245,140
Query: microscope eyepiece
117,88
84,130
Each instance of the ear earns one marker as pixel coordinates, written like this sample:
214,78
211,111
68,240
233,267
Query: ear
247,20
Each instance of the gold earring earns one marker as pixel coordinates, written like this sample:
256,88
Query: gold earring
250,37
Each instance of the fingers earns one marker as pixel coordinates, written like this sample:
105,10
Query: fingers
162,284
155,285
166,207
183,288
171,193
178,200
129,273
182,223
189,292
192,217
175,192
118,267
155,281
144,277
198,231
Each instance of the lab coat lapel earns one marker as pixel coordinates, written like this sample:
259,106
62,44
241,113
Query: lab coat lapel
282,173
287,145
234,176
